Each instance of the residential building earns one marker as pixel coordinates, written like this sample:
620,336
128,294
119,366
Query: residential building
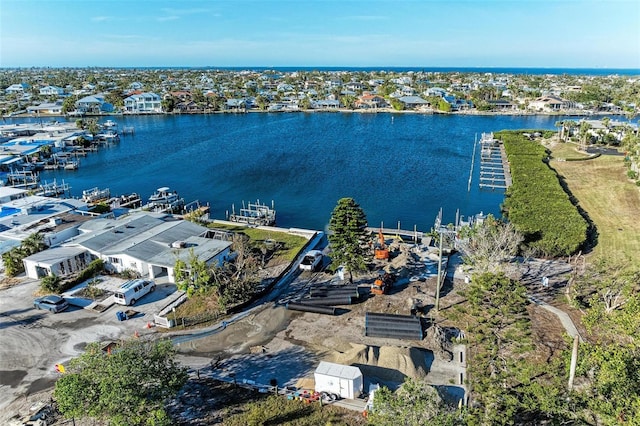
52,108
149,243
94,104
52,91
550,104
413,102
17,88
143,103
369,100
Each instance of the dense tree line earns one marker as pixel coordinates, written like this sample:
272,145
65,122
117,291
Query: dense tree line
536,204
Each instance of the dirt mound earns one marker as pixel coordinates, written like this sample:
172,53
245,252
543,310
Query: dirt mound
386,362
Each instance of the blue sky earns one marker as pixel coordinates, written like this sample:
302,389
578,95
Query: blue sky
348,33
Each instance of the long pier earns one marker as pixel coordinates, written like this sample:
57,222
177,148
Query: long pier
495,172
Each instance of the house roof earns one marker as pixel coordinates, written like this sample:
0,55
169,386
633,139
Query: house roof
413,100
148,237
55,255
203,248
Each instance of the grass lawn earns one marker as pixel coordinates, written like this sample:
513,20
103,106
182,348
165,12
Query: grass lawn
290,245
564,150
610,199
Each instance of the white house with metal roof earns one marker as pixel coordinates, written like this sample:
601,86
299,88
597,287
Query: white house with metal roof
149,243
59,261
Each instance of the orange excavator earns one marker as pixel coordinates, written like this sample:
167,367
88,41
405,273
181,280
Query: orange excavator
381,251
383,283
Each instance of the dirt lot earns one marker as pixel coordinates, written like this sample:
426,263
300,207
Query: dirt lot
275,344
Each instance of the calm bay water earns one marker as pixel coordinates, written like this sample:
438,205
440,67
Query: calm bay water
399,167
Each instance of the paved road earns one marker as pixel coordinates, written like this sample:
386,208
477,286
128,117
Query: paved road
33,341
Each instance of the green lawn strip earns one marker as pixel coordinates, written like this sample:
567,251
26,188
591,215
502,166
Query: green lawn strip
289,245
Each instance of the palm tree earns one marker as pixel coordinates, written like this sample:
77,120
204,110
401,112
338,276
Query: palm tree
34,243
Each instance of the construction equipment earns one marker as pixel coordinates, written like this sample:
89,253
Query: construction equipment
380,251
383,283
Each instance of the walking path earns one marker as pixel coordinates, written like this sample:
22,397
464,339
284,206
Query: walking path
565,319
533,272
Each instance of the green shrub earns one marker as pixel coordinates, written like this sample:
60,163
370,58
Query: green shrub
50,283
94,268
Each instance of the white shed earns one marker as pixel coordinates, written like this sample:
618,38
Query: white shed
343,380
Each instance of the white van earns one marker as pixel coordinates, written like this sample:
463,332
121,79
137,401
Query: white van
133,290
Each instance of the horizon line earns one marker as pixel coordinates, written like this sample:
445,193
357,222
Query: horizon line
381,67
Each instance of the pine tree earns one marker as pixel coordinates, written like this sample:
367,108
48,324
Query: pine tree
348,236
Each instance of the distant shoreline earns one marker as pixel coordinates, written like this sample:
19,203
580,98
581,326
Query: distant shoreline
337,111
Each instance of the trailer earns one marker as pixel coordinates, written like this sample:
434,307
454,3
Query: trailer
338,381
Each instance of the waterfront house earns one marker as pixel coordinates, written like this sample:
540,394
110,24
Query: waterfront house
53,217
550,104
52,108
94,104
457,104
369,100
143,103
149,243
328,104
235,105
51,91
188,107
502,105
413,102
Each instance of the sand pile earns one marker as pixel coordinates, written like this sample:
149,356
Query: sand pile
386,362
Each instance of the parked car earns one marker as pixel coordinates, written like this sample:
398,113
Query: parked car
312,261
52,303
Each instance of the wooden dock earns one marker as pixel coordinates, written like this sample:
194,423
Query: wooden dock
402,234
494,166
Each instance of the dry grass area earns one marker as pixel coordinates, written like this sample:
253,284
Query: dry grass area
610,199
6,282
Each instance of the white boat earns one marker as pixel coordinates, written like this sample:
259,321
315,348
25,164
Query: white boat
110,123
71,165
163,196
108,136
94,195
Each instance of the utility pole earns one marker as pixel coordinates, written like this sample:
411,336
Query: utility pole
574,361
439,272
